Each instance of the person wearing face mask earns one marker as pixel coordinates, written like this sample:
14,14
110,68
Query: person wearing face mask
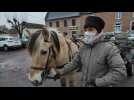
100,61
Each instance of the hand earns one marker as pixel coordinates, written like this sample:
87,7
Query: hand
93,83
57,76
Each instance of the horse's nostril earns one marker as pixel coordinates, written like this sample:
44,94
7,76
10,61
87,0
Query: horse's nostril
36,83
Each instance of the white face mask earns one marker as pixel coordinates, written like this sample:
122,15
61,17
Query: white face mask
89,37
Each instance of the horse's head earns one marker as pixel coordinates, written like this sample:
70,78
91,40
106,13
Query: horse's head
41,48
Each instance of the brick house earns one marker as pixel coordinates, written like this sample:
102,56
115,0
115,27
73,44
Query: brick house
64,21
73,22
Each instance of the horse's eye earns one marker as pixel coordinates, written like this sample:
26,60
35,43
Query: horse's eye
43,52
45,40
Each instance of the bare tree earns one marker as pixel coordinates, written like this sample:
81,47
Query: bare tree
17,22
17,25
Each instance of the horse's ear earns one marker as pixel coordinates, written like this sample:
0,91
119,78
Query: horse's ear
45,34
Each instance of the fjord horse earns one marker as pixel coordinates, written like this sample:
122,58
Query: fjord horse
50,51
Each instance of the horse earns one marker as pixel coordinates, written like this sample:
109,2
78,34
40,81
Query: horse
50,51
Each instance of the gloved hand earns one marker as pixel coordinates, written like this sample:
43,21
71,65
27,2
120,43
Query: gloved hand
57,76
92,82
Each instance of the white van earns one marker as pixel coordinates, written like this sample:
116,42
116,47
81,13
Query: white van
7,42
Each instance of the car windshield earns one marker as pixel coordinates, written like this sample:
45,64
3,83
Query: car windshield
11,38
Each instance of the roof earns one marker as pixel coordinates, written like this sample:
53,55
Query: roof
33,25
59,15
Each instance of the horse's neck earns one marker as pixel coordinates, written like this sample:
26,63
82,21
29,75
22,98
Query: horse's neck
63,56
67,50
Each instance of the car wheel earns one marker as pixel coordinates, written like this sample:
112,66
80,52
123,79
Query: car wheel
5,48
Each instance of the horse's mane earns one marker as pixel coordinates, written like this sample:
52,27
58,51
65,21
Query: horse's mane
36,35
32,41
55,40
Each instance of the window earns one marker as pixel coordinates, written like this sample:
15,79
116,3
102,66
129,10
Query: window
73,32
50,24
73,22
118,15
118,26
57,24
117,21
3,39
132,27
0,39
65,23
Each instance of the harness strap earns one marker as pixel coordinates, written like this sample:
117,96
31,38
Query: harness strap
60,67
46,70
37,68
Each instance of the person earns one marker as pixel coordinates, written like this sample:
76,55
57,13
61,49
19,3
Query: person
100,61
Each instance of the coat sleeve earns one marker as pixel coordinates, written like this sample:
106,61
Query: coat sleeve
75,64
117,69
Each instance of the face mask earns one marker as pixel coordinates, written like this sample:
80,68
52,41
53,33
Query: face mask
89,37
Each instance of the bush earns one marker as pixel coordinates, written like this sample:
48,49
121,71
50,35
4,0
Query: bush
121,35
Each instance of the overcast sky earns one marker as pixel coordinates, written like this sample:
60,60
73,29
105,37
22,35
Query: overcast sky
33,17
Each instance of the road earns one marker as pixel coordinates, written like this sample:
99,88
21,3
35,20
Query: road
14,66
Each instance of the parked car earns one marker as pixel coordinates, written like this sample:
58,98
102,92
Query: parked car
7,42
131,37
24,42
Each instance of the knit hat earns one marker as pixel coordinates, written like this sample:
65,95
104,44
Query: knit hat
95,22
